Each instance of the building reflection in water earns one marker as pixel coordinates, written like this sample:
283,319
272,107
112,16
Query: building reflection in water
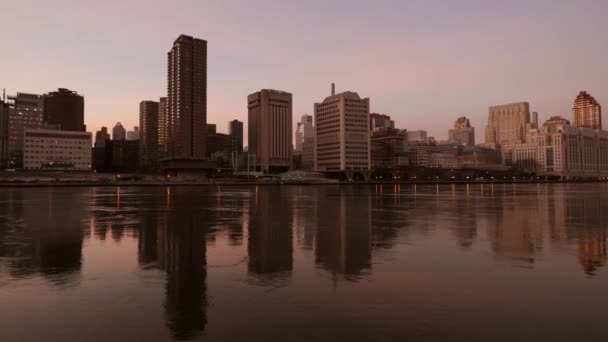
42,233
343,241
172,238
270,241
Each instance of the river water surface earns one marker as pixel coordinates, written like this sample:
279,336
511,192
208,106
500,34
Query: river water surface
501,262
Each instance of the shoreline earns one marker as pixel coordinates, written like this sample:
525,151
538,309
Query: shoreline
37,184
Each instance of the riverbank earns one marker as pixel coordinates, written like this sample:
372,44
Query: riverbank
68,179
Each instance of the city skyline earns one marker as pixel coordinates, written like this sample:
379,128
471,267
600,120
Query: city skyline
406,70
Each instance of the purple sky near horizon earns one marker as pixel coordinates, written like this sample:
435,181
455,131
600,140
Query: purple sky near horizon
425,63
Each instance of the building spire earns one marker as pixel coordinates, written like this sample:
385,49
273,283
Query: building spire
333,89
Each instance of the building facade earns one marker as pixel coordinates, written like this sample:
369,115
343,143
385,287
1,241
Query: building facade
462,133
507,126
148,140
46,149
380,121
417,137
304,130
235,130
586,112
134,134
270,129
26,111
187,99
64,109
163,119
565,151
119,132
342,141
3,134
101,137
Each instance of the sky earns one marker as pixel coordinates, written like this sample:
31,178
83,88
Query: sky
425,63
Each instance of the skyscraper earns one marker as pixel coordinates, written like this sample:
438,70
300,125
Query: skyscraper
119,132
304,130
270,129
162,126
462,132
305,141
64,109
25,111
187,98
587,112
508,125
101,137
235,130
380,121
148,137
342,141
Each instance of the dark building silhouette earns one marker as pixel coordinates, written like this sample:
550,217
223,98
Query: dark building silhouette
187,98
235,130
64,109
122,155
148,137
163,119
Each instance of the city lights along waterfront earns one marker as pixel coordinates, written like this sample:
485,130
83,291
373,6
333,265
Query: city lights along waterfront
479,262
356,171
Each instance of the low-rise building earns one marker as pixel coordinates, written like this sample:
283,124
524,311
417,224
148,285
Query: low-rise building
46,149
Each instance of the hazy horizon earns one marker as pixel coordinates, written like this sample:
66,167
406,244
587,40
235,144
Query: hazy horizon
421,62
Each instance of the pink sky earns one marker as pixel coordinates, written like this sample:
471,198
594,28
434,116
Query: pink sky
423,62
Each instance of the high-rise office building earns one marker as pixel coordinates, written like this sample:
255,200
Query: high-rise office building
148,138
25,112
64,109
304,130
587,112
134,134
235,130
162,126
119,132
3,133
507,123
101,137
187,98
507,126
270,129
342,141
462,133
305,141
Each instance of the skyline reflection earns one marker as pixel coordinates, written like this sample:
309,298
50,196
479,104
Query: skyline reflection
346,234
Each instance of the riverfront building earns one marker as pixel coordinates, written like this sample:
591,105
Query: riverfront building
270,130
342,140
64,109
187,99
507,126
587,112
565,151
46,149
25,112
148,137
